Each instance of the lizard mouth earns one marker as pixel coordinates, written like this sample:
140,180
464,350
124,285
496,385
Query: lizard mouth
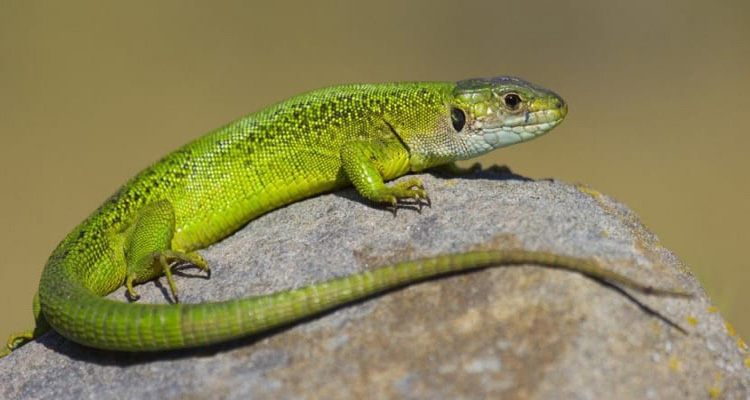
532,120
515,129
525,126
507,135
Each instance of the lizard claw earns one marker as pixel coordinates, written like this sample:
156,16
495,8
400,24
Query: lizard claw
409,189
129,285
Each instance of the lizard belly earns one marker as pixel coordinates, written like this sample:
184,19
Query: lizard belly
216,221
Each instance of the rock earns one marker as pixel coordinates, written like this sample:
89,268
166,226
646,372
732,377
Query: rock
513,332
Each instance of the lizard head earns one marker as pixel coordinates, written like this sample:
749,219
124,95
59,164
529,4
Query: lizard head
501,111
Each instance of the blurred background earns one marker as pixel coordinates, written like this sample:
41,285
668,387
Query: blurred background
91,92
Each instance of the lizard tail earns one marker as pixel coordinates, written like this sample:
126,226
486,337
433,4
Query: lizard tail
84,317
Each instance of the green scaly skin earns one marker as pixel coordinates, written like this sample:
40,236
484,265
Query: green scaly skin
360,135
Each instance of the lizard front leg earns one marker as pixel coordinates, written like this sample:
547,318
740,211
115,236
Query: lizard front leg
367,163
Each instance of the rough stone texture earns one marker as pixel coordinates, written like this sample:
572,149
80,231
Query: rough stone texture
517,332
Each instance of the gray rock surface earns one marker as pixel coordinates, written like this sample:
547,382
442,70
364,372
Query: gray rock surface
515,332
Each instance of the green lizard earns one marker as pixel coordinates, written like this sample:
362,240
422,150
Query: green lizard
359,134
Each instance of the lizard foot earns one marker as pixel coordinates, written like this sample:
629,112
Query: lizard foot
15,341
166,259
411,188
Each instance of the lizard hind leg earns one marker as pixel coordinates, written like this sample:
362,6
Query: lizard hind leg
17,340
148,251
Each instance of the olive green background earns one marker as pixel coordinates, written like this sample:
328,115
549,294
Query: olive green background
91,92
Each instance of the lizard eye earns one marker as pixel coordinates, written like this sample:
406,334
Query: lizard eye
458,118
512,101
